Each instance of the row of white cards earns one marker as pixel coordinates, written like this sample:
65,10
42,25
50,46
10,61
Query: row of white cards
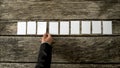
64,27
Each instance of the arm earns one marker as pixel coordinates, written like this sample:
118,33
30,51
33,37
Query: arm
45,52
44,57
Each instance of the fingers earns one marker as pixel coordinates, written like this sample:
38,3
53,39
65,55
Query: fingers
46,38
43,38
49,35
45,35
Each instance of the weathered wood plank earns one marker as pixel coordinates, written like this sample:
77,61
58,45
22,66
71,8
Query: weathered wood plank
83,66
110,1
32,65
54,9
79,49
116,27
17,65
7,28
19,49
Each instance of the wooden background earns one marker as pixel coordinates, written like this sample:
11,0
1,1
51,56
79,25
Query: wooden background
68,52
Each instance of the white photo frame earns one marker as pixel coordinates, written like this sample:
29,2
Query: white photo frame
96,27
21,28
86,27
53,28
75,27
64,27
41,28
107,27
31,27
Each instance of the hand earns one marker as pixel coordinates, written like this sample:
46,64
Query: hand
47,38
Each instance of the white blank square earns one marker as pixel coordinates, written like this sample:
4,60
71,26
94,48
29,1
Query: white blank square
75,27
64,27
53,27
41,28
21,28
107,27
86,27
31,27
96,27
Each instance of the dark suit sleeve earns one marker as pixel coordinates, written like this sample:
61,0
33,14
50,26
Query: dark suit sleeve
44,57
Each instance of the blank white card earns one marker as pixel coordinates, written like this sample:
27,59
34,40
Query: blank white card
21,28
31,27
41,28
107,27
75,27
53,27
64,27
96,27
86,27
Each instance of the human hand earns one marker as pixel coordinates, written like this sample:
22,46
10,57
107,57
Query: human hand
47,38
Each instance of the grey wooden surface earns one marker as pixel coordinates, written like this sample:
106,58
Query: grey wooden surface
21,51
60,9
31,65
80,49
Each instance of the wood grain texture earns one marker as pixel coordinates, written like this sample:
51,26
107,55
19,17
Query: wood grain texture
73,49
80,49
32,65
57,9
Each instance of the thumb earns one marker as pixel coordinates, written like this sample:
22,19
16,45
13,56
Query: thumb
44,35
